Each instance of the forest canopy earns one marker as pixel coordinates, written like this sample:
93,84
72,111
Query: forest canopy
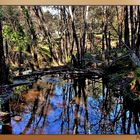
40,37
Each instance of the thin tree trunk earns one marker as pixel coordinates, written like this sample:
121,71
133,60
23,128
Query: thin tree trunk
138,34
126,23
75,37
132,28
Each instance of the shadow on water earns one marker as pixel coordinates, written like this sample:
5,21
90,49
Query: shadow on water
81,105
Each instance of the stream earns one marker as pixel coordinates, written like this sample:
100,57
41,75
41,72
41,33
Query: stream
55,104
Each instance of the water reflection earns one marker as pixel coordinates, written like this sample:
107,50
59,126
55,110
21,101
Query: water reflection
5,116
54,105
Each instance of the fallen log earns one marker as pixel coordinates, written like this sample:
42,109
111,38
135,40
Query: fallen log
37,74
20,84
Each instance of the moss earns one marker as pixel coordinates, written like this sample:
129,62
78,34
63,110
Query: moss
20,89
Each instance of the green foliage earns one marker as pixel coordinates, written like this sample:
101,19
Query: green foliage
137,73
115,78
1,12
20,89
88,56
133,82
16,38
25,11
44,49
136,77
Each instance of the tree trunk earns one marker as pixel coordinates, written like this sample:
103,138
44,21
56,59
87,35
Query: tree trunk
138,35
3,68
84,35
75,37
126,23
132,28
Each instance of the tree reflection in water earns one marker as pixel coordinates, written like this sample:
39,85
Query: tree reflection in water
73,106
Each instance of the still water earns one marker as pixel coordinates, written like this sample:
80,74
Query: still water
59,105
